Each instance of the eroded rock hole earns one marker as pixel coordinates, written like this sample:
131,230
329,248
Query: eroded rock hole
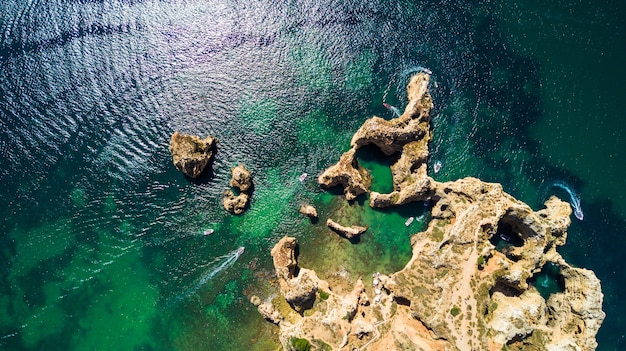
378,165
506,235
402,301
510,235
505,289
548,281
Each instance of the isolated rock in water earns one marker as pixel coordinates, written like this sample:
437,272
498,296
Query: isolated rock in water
308,211
235,203
241,178
297,285
190,153
348,232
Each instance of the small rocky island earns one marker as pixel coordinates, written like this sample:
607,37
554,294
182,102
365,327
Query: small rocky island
242,181
191,154
470,284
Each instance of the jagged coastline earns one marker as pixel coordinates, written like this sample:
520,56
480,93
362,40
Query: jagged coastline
470,284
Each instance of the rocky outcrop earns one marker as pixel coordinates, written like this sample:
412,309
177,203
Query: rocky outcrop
235,204
334,313
407,135
472,281
270,313
298,286
484,294
242,180
346,173
347,232
190,153
309,211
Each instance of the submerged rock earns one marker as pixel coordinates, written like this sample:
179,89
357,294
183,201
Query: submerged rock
191,154
470,282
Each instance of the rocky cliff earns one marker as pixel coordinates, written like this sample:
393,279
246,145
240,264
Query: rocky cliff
471,283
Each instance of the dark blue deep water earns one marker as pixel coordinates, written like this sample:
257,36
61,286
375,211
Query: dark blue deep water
101,238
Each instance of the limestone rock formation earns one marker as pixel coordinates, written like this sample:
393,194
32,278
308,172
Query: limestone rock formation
297,285
270,313
347,173
235,204
242,180
407,135
348,232
309,211
473,280
190,153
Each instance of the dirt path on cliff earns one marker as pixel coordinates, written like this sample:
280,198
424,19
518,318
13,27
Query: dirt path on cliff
463,294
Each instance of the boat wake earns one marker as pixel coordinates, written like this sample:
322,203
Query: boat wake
574,199
415,69
218,265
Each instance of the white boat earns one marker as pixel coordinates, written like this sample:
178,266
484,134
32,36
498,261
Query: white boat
437,166
240,250
409,221
302,177
209,232
505,237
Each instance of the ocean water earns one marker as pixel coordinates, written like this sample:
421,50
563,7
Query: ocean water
101,238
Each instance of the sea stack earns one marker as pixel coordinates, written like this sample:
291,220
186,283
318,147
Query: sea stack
242,181
309,211
472,281
191,154
350,232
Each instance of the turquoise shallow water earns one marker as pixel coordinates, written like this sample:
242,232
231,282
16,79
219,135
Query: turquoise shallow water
101,237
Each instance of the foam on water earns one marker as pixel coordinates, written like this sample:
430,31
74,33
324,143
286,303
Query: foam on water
218,265
574,199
